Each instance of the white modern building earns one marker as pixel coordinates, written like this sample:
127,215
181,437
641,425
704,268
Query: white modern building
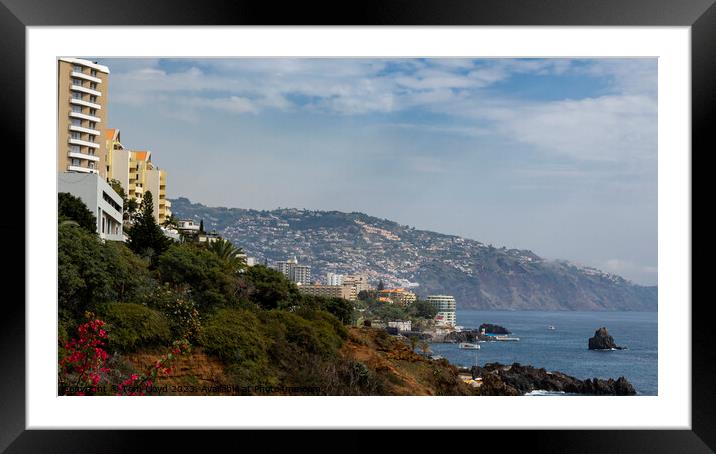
299,274
445,305
334,279
99,197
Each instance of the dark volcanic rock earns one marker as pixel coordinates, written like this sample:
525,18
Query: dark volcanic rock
493,329
462,336
602,340
518,379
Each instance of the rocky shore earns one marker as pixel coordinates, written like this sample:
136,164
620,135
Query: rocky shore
517,380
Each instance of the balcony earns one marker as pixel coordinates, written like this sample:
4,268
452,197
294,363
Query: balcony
86,77
94,132
81,169
85,117
85,90
80,102
83,143
89,157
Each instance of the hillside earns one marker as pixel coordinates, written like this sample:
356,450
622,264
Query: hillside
479,276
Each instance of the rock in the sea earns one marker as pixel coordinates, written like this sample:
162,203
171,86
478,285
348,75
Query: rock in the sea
493,329
602,340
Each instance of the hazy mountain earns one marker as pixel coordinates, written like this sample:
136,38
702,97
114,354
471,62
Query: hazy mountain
477,275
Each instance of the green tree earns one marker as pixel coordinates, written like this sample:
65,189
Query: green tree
381,285
212,281
145,236
73,208
270,287
130,209
422,309
201,226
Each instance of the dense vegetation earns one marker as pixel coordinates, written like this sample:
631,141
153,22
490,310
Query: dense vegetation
151,293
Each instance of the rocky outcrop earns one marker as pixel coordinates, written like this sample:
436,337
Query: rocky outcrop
516,379
462,336
602,340
493,329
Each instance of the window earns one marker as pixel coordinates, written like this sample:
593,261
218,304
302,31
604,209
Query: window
76,81
92,124
75,135
77,109
76,95
93,85
77,68
74,148
93,111
93,72
76,122
93,98
75,162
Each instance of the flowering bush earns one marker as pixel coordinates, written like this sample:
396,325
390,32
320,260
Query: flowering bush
82,367
83,364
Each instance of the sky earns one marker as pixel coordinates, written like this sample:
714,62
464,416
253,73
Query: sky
558,156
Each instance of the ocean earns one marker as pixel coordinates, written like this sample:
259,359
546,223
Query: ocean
565,348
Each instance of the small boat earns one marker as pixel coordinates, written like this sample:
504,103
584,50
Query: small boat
469,346
551,327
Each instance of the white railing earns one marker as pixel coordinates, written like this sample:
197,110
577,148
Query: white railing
85,90
81,102
86,77
94,132
83,143
89,157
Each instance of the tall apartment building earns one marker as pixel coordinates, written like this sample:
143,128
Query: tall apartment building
445,304
81,114
143,177
116,158
300,274
334,279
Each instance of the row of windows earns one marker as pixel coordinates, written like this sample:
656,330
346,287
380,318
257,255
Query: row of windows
81,97
80,82
80,69
80,109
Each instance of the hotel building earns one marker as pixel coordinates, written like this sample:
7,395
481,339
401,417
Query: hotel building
337,291
398,296
445,305
81,114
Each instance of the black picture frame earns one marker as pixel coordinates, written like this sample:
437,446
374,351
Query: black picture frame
16,15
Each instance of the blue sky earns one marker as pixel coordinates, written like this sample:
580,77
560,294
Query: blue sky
554,155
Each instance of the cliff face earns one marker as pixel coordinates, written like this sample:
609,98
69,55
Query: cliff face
478,276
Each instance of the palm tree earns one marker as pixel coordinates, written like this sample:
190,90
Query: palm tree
413,342
424,347
227,251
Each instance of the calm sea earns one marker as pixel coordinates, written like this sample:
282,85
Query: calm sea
565,348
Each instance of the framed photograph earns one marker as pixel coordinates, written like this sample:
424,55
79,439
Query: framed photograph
410,217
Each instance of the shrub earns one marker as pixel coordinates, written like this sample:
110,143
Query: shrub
179,308
131,326
235,337
314,336
342,309
270,287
